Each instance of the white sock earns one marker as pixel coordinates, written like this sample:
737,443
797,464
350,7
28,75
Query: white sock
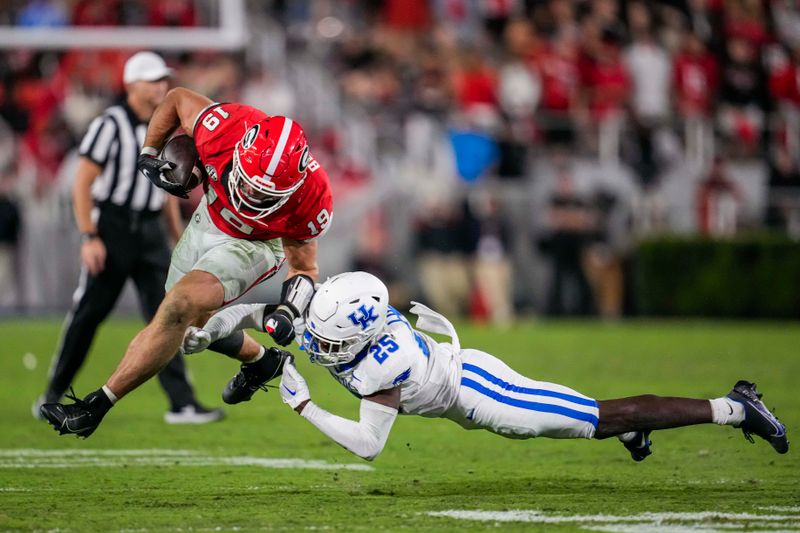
110,395
627,437
725,411
261,353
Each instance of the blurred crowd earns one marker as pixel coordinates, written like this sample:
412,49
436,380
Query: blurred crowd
600,120
529,132
537,73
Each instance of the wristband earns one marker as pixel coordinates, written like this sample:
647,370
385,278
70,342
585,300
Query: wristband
89,235
149,150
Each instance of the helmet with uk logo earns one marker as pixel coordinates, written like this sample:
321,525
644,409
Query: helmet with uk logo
345,315
270,162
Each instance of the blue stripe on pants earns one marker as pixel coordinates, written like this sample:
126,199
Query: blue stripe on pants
525,390
532,406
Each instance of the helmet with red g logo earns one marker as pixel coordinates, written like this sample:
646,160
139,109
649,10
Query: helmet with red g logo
269,164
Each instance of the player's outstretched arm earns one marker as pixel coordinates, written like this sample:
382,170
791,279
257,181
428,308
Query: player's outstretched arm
365,437
180,108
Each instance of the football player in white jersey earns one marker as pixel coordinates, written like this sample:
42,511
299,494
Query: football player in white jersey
394,368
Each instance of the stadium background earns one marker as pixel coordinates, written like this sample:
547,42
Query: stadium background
492,157
499,159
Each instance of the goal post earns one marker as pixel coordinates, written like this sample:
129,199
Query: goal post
231,34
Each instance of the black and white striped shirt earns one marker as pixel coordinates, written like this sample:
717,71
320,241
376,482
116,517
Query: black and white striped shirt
113,141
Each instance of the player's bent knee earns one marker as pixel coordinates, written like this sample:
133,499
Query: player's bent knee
180,309
196,295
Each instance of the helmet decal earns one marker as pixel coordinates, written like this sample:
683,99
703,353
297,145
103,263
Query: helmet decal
305,159
250,137
365,318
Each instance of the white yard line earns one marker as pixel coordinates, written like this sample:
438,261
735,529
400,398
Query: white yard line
25,458
36,452
705,521
539,517
190,529
694,528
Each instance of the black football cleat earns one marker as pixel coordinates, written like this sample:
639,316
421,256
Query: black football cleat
758,420
254,376
80,418
639,446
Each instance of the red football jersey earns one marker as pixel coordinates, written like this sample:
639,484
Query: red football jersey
785,83
307,213
695,82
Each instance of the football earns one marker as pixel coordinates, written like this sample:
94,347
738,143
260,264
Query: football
188,171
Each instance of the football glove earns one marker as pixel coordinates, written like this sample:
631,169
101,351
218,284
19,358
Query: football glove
294,389
195,340
154,168
279,326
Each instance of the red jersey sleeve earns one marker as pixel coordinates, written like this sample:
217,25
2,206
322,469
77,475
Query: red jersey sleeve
219,127
314,212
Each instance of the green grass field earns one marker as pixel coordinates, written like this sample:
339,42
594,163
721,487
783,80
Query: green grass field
138,474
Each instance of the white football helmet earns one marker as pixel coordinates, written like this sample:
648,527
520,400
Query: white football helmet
346,313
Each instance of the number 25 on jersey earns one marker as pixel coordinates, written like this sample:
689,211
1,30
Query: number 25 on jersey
382,350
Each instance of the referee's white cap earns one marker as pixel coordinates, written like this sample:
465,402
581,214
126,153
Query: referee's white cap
145,66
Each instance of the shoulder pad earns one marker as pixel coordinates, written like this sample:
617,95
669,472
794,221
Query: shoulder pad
387,364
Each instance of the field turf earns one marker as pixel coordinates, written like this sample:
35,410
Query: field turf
266,469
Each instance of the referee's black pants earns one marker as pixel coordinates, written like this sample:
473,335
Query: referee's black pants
136,248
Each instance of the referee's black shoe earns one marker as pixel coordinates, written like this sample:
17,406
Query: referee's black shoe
254,376
758,420
80,418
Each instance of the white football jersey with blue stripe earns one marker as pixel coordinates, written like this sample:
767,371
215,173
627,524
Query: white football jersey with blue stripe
470,387
428,372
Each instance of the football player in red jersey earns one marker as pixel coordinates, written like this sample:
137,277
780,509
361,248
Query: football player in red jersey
266,201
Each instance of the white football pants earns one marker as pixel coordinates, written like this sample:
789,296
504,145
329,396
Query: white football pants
239,264
493,396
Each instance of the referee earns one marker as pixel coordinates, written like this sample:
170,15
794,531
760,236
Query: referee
118,212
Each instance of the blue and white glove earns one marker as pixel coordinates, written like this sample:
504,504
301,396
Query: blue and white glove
294,389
